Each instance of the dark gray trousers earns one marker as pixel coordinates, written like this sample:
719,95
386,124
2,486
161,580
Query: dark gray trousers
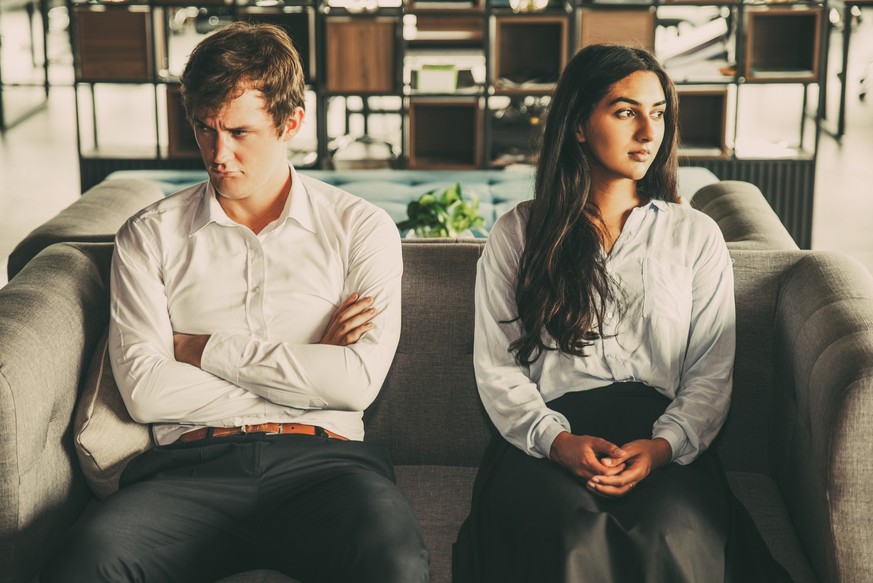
317,509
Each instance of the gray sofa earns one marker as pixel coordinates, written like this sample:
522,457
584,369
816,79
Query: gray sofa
797,443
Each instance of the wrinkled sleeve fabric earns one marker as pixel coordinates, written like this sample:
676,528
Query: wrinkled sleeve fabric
697,413
317,376
154,386
511,398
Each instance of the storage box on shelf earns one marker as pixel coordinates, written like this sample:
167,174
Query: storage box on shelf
623,24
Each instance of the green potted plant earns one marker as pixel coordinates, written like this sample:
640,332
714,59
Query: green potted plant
443,214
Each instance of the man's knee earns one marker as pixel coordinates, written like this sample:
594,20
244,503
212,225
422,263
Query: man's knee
394,557
390,545
88,558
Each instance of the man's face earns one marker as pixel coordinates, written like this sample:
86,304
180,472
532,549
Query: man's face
241,148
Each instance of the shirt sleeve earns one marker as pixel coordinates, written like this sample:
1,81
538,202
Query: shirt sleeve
694,418
511,398
318,376
155,387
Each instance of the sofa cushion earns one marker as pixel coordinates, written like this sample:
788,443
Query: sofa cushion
106,438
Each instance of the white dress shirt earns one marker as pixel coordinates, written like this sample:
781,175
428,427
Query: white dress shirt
182,266
677,333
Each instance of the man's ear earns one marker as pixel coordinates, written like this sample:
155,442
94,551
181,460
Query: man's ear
580,134
292,125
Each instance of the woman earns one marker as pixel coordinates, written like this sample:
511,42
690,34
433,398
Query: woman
604,350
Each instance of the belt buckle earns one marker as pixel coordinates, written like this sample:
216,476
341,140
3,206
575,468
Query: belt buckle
247,429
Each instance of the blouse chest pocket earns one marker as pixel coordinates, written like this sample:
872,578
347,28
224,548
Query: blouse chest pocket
667,290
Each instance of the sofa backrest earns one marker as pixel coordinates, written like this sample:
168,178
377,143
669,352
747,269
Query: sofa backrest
428,411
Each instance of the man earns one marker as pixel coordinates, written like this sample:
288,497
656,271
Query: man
253,318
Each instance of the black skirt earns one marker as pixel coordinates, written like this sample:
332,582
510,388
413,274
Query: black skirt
533,521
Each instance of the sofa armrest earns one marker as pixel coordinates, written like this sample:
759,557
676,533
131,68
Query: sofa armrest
51,317
95,217
744,216
823,452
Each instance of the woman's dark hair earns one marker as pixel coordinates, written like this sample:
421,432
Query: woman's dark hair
563,286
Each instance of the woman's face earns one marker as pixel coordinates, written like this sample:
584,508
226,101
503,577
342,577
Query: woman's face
626,129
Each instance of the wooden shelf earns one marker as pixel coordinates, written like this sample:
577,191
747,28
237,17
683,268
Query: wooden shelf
180,134
442,30
445,133
703,121
113,44
529,53
625,25
446,5
361,55
782,44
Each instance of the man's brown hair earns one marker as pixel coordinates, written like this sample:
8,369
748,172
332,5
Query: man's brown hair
244,56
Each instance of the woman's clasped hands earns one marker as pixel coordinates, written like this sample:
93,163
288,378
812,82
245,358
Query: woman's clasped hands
607,469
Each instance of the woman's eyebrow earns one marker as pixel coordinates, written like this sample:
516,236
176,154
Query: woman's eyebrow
634,101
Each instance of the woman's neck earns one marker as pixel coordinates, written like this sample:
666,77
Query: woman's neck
614,203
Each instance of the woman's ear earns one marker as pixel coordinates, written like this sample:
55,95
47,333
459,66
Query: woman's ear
580,135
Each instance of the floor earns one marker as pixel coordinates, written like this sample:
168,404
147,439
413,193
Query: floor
39,167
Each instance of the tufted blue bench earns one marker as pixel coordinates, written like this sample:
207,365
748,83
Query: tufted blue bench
497,190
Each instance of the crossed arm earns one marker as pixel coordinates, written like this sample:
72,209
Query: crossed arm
348,323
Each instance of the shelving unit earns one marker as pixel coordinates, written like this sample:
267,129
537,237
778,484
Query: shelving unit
442,84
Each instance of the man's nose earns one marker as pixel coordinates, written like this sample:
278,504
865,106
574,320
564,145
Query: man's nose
221,149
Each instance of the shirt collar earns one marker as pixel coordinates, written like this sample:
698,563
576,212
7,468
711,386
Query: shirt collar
297,207
659,204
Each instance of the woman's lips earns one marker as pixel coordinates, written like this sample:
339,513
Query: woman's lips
640,155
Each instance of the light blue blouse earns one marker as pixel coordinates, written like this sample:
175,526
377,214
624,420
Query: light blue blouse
677,333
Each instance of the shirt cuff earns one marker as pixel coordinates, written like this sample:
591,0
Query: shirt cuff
217,356
676,438
549,429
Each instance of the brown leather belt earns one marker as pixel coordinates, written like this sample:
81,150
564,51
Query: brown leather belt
266,428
